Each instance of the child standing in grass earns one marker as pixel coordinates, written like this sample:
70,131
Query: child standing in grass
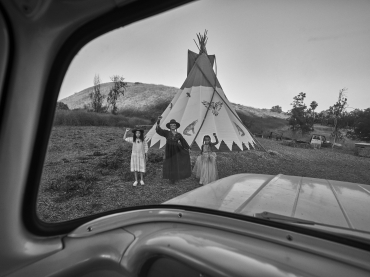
205,167
139,154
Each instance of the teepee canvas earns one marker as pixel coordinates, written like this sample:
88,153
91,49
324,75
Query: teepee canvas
202,108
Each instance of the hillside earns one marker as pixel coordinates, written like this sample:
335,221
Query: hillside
149,100
137,96
264,113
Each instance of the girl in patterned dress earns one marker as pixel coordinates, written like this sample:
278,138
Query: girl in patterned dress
205,167
139,154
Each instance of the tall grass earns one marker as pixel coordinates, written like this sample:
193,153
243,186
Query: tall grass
84,118
264,125
129,117
150,112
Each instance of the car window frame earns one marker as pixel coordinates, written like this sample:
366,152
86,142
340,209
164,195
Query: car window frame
7,42
136,11
133,12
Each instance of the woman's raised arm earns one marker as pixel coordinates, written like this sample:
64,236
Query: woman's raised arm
159,130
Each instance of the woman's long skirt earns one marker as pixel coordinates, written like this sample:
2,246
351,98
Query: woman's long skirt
176,165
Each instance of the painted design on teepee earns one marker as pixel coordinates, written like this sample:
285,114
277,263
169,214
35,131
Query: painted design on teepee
215,106
190,127
241,132
201,94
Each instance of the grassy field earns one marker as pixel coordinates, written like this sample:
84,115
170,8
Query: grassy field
85,118
87,171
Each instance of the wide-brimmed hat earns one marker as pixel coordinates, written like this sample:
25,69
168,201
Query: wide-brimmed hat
173,121
137,129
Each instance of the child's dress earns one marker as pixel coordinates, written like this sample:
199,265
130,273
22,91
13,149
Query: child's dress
139,149
205,166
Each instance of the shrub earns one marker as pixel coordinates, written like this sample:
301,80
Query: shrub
258,125
138,121
276,109
362,125
151,112
124,122
85,118
62,106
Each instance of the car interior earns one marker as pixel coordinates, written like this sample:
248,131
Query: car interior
38,41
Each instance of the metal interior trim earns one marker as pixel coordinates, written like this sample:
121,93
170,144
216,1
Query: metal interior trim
303,242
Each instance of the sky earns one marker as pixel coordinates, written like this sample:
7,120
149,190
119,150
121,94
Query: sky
267,51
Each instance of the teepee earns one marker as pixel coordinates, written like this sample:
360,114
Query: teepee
201,108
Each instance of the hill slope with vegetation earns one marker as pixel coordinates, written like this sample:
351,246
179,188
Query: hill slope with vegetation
148,101
136,96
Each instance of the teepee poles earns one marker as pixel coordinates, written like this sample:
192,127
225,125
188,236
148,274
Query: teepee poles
202,49
205,116
204,119
202,39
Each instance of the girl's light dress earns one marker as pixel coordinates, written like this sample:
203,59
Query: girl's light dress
139,149
205,167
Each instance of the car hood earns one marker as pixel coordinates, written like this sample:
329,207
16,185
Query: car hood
337,203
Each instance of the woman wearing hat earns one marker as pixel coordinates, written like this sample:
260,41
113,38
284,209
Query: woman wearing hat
139,154
176,165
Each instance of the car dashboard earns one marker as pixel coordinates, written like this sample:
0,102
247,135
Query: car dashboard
178,242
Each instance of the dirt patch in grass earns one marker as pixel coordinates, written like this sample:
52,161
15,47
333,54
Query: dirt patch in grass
87,171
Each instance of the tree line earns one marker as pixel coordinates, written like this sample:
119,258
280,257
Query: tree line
302,117
96,103
97,98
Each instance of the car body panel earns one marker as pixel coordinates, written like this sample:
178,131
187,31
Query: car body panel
337,203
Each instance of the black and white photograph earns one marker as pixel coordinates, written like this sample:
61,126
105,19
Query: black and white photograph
185,138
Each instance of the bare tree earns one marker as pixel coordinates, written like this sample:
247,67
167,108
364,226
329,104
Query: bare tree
337,111
96,96
118,88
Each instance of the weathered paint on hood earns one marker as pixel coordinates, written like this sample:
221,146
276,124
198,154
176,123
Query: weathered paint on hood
330,202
